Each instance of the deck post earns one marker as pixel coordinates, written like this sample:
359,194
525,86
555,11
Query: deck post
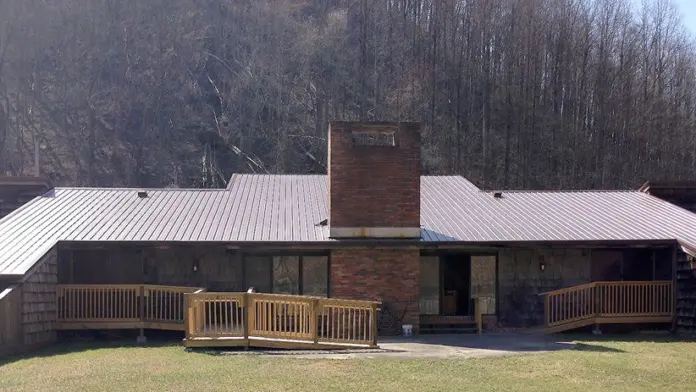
547,311
142,339
373,322
187,318
247,316
478,316
315,321
673,291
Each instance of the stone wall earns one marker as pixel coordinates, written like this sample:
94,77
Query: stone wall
520,280
388,275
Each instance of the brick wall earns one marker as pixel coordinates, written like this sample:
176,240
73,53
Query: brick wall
387,275
520,281
374,186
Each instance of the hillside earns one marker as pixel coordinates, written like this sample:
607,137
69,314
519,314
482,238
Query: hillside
534,94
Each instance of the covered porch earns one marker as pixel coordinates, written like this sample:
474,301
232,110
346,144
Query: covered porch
547,287
200,290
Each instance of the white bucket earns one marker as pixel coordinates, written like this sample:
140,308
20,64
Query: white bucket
408,329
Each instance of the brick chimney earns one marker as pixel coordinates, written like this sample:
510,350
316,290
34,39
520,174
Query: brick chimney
374,180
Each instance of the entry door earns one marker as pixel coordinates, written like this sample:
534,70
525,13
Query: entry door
456,284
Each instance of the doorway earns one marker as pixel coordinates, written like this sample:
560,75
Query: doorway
456,284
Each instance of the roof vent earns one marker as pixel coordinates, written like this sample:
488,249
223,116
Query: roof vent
142,194
323,223
498,195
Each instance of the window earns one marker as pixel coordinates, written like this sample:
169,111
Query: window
315,275
430,285
257,273
483,281
288,274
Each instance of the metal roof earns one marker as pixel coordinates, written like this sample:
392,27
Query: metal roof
288,208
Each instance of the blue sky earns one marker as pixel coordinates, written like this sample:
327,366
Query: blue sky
688,11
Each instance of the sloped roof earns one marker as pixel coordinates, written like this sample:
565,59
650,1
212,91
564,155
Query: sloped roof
288,208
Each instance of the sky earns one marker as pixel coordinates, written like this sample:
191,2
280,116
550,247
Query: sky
688,11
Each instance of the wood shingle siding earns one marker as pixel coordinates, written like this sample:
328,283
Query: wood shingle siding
28,309
686,294
39,302
11,332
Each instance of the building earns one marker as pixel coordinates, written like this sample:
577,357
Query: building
432,249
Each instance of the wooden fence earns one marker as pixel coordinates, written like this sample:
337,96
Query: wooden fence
272,320
121,306
608,302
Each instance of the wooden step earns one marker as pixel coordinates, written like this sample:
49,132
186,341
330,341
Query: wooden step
433,331
451,327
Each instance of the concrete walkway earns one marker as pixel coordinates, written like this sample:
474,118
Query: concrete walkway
440,347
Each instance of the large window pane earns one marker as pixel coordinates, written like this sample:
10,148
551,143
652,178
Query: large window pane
483,281
286,274
315,279
430,285
257,273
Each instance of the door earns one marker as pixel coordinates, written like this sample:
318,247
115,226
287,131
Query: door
456,284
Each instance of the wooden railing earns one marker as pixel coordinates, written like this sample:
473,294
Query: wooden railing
121,306
609,302
342,321
211,315
272,319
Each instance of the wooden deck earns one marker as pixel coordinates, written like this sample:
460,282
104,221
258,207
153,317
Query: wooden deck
221,319
121,307
608,303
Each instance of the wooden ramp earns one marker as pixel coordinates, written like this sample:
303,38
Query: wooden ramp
279,321
221,319
608,303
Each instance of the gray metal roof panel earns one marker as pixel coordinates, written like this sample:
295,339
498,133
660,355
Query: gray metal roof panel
288,208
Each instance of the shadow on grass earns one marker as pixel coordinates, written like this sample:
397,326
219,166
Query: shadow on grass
597,348
70,346
635,337
232,351
523,342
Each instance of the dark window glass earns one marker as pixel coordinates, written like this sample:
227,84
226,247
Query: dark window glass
315,280
257,273
286,274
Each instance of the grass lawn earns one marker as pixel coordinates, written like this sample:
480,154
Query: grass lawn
658,364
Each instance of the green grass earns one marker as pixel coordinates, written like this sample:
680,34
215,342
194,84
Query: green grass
661,364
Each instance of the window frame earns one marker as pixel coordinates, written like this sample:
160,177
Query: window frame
300,255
